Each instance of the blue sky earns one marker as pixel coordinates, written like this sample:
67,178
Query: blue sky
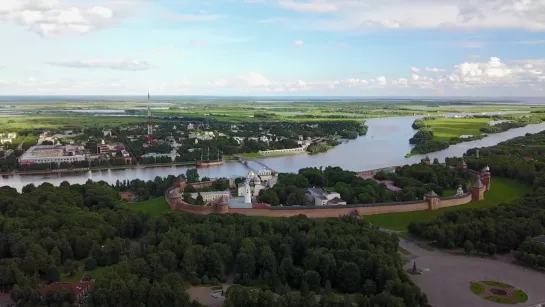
273,47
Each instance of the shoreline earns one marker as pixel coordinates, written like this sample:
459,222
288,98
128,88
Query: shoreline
94,169
228,159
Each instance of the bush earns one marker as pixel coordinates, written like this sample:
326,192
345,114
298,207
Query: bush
90,264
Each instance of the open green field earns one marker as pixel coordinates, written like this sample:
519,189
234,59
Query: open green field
446,128
57,122
97,273
501,191
154,207
251,155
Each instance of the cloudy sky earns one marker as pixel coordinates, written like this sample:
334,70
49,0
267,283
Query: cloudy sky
273,47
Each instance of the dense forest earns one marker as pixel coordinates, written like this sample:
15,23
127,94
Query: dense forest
506,227
416,180
48,233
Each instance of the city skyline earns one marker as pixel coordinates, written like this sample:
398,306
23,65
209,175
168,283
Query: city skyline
272,47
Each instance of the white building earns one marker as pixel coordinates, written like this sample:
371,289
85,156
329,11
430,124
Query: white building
172,155
257,182
211,196
320,197
7,137
52,154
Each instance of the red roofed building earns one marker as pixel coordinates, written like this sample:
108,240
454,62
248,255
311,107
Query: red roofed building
528,159
79,288
128,196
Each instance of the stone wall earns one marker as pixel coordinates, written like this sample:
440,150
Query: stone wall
430,203
323,211
455,200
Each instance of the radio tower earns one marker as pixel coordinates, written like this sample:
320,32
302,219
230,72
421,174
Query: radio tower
150,127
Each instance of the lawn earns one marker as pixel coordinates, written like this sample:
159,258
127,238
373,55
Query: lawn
521,296
97,273
501,191
497,284
154,207
446,128
251,155
477,288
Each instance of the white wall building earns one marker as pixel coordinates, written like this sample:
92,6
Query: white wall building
211,196
52,154
7,137
172,155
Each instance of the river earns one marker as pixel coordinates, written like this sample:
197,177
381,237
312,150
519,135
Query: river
386,143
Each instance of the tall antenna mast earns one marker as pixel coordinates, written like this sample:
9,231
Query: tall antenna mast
150,126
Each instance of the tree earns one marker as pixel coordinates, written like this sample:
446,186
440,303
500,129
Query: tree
349,278
142,194
90,264
305,289
313,280
468,247
199,201
192,175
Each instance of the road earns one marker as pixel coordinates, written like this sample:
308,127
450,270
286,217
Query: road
446,277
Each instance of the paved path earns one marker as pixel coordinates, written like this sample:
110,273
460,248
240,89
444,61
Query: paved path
445,277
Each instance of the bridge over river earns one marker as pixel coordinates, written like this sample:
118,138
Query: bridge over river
245,161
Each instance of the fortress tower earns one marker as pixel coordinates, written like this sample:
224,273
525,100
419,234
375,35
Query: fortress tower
461,164
477,191
486,178
433,200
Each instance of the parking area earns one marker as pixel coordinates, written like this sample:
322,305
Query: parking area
446,278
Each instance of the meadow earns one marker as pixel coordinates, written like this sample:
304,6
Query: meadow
502,191
447,128
57,114
154,207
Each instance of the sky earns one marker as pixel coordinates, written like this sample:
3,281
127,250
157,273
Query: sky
273,47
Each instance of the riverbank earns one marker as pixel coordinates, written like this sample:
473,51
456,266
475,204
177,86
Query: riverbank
255,155
97,168
385,144
439,133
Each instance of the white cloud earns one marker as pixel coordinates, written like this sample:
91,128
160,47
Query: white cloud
126,65
433,69
536,42
415,69
308,7
196,17
299,43
198,42
52,17
272,20
470,44
425,14
491,77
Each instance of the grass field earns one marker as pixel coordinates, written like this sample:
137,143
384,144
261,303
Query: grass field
154,207
501,191
54,122
251,155
477,288
97,273
446,128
